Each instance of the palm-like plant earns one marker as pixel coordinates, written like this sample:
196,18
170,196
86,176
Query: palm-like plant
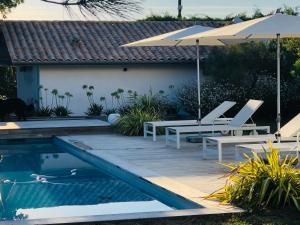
261,182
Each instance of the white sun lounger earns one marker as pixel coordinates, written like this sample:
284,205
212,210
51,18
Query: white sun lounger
288,133
211,118
238,123
259,148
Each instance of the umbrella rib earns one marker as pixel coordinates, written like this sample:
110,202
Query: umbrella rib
178,43
248,36
220,40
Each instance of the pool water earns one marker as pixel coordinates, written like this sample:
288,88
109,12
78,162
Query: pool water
38,180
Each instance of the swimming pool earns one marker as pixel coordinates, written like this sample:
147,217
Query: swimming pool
46,179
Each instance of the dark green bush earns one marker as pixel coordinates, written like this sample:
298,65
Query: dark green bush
157,103
215,92
44,111
94,110
8,84
61,111
132,122
143,108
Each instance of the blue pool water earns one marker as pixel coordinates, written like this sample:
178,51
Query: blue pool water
39,180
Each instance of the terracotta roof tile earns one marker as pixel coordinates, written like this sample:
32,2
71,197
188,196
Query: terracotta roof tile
54,42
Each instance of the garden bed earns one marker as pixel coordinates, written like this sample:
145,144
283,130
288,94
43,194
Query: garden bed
276,217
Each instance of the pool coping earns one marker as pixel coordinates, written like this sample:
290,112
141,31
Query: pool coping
181,190
117,217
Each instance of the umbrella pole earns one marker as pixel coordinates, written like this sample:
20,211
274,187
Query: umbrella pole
198,82
278,89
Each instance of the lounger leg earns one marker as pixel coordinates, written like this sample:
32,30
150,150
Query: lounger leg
167,136
220,151
236,153
145,130
204,148
298,155
154,133
178,140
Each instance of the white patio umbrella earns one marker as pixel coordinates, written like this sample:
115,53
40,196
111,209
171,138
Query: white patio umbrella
175,39
275,26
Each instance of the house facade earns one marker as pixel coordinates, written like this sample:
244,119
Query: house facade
65,55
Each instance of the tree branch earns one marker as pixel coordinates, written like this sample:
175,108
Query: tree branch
115,8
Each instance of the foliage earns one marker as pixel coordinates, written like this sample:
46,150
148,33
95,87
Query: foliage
6,5
59,103
8,84
61,111
260,183
94,110
157,103
44,111
131,123
110,111
123,101
256,14
141,108
242,63
119,8
252,66
213,93
274,217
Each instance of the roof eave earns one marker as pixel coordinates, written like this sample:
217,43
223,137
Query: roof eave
16,63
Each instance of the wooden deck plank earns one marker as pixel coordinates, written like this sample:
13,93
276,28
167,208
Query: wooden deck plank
185,165
181,171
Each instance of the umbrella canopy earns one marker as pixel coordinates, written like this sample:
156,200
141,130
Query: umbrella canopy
175,38
275,26
262,28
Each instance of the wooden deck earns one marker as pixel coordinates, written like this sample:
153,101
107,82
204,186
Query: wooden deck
182,171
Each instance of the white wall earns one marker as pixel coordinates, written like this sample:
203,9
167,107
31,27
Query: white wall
107,79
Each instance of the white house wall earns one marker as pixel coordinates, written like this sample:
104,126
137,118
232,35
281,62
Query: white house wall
106,79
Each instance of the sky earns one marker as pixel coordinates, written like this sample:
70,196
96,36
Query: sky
38,10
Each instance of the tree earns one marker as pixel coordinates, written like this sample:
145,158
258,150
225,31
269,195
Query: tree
117,8
8,87
241,63
7,5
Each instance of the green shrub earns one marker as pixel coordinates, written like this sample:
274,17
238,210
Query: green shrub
260,183
8,84
213,93
44,111
61,111
94,110
132,123
110,111
143,108
157,103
